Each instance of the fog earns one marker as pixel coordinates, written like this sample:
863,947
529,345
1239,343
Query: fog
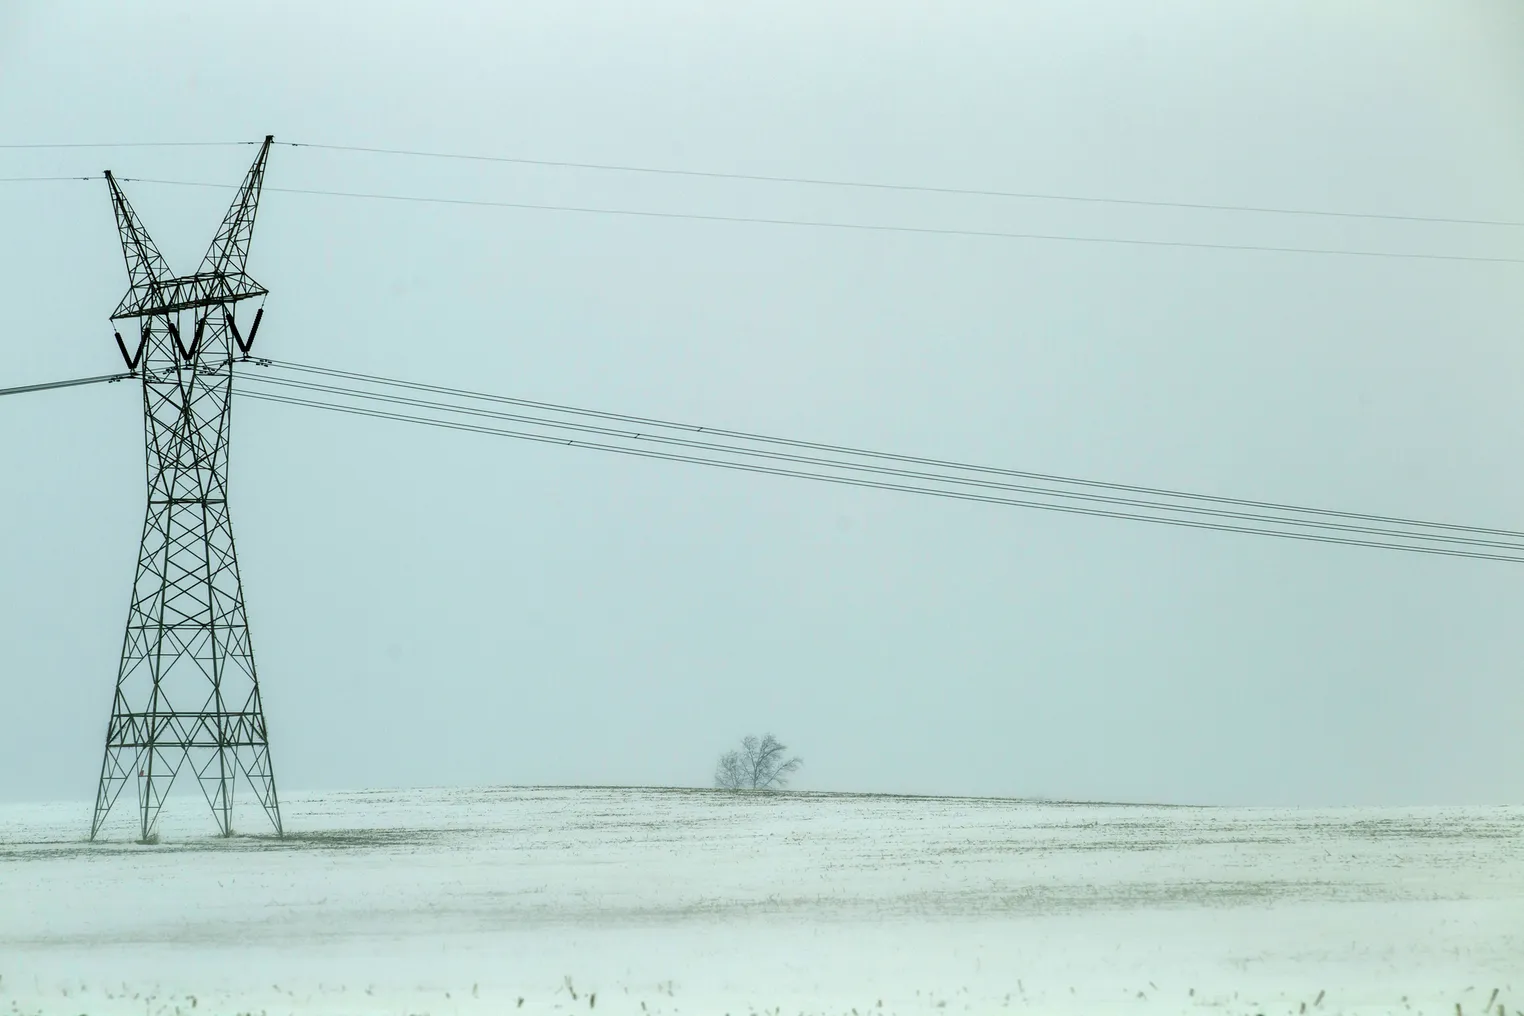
432,608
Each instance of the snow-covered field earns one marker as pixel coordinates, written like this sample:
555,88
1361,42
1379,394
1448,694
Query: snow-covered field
666,901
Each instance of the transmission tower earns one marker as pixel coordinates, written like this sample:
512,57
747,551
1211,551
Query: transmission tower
187,694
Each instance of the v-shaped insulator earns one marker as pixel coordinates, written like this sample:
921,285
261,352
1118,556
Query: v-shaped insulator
244,346
132,361
188,355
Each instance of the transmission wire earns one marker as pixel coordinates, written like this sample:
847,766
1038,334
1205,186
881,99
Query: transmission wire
1302,529
855,226
49,385
128,144
893,456
615,167
811,461
880,485
907,188
869,227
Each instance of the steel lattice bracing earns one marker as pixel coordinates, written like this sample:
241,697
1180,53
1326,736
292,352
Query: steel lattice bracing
187,692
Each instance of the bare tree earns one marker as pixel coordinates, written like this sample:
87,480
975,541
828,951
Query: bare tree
730,773
759,765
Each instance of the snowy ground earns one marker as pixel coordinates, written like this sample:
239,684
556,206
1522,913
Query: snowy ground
656,901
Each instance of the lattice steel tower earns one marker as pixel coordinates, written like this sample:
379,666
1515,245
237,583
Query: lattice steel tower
187,693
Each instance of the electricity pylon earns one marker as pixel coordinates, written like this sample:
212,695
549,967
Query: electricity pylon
187,693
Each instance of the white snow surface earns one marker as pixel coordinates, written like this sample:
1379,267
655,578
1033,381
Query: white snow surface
647,901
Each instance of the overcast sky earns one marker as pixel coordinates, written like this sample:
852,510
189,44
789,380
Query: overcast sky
438,608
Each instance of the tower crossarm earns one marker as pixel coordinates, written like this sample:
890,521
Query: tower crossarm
204,289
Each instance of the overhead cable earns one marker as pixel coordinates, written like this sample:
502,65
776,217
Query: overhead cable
837,478
1177,505
901,187
841,464
801,180
851,226
73,383
1314,514
45,146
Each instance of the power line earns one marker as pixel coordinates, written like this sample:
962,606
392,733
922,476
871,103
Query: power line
1516,543
1175,501
857,226
1157,505
1312,537
906,188
812,181
64,384
127,144
821,224
916,460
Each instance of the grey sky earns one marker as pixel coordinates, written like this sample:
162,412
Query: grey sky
436,608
